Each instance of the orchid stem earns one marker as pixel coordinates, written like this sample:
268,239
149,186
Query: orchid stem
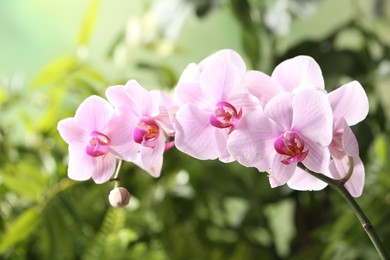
367,226
116,175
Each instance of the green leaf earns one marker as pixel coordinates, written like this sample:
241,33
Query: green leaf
55,71
236,208
25,179
112,239
20,229
281,218
89,22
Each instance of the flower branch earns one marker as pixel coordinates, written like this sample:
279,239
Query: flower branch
221,110
365,222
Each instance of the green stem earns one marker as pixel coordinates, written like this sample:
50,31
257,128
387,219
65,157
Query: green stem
367,226
116,175
351,167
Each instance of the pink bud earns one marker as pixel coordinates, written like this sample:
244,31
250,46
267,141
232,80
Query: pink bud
119,197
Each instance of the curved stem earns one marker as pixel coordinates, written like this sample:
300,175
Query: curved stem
367,226
116,175
351,167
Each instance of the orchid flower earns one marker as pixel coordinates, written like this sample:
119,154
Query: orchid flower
212,99
95,137
349,101
350,106
292,74
149,124
294,127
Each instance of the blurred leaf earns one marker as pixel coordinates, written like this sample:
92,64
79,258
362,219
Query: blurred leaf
89,23
55,71
349,39
3,94
20,229
236,208
280,216
329,17
250,36
25,179
260,235
221,235
50,115
111,242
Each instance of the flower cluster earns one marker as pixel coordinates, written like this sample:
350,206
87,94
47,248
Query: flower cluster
283,124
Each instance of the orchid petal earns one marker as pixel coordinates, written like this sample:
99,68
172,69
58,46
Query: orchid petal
262,86
190,74
302,180
219,79
191,93
251,144
163,99
317,159
165,121
349,101
355,184
228,56
279,109
226,157
245,102
80,165
153,169
148,156
94,113
121,132
301,71
71,131
104,168
195,136
143,102
118,98
167,106
349,142
312,116
280,173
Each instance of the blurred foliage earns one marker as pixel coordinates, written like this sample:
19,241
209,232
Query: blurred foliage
56,53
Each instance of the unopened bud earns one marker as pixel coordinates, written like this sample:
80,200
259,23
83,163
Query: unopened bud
119,197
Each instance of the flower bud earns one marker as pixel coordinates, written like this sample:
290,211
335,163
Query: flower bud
119,197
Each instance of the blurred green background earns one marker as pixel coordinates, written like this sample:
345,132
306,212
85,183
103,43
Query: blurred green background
54,54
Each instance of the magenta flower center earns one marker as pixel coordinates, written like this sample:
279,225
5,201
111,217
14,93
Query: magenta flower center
146,132
225,116
291,143
98,145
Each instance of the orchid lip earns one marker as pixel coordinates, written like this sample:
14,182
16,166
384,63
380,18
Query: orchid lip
291,143
98,145
146,132
225,116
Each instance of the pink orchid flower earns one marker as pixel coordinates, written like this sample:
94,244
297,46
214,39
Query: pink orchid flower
95,138
289,76
149,123
294,127
350,106
349,101
212,100
298,72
